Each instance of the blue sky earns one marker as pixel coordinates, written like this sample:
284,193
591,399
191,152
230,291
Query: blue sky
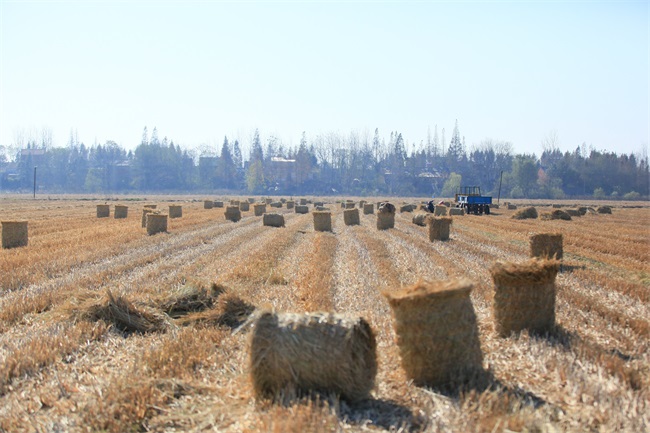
511,71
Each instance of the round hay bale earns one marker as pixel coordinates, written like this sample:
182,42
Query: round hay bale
156,223
233,213
439,228
175,211
440,210
527,213
303,201
121,211
290,204
145,212
604,210
322,352
103,211
14,234
456,211
557,214
524,296
259,209
511,206
302,209
217,204
437,332
322,221
351,217
273,220
573,212
368,209
150,206
420,219
546,245
208,204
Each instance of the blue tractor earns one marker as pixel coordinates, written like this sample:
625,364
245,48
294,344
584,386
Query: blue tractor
470,199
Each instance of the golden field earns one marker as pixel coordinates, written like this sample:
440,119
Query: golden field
62,373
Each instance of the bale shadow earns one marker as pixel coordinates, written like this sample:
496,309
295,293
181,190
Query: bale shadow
570,268
385,414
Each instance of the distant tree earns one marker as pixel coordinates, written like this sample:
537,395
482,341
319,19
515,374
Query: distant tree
226,169
451,185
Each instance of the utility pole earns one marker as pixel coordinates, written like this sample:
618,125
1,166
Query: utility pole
500,180
34,181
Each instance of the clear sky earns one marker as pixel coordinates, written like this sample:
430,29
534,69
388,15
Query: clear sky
199,70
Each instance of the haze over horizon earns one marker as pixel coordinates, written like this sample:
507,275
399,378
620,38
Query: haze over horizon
201,70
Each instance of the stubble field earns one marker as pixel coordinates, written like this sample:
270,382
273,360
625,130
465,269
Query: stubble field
60,372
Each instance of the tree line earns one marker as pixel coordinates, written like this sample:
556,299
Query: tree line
330,164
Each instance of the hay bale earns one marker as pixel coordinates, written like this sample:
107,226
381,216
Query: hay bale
175,211
276,204
604,210
145,212
557,214
268,200
244,206
368,209
342,205
319,204
150,206
233,213
582,210
321,208
527,213
283,200
156,223
556,206
546,245
437,332
385,216
189,298
121,211
455,211
322,352
351,217
273,220
14,234
420,219
259,209
250,200
524,296
290,204
511,206
120,312
440,210
350,205
362,203
218,204
439,228
303,201
208,204
302,209
407,208
103,211
322,221
574,212
234,202
494,206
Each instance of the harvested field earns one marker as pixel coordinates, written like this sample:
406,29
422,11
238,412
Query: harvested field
186,368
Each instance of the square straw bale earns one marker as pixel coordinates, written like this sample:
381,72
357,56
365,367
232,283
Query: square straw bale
290,204
156,223
440,210
437,332
546,246
208,204
276,204
524,296
217,203
259,209
273,220
175,211
233,213
150,206
302,209
121,211
292,354
420,219
103,211
368,208
322,221
145,212
456,211
385,216
14,234
351,217
244,206
439,228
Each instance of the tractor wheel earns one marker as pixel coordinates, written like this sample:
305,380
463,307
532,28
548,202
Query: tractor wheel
487,210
